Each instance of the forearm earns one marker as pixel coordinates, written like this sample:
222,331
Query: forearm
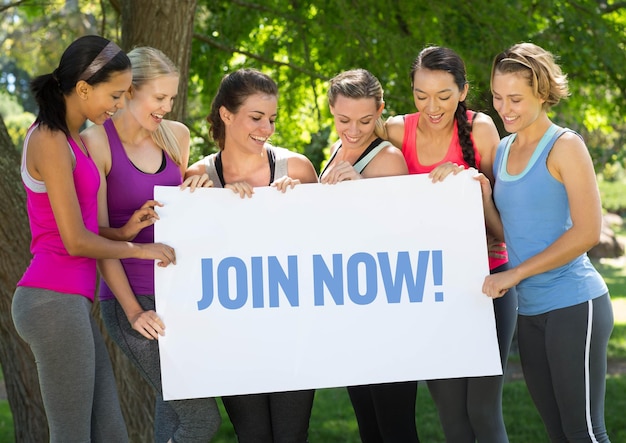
89,244
116,234
115,277
566,248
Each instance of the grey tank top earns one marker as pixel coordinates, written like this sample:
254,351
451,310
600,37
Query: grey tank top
280,156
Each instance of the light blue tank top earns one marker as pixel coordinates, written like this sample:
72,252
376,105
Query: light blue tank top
534,209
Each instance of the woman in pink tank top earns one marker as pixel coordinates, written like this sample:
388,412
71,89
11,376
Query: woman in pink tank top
437,140
51,307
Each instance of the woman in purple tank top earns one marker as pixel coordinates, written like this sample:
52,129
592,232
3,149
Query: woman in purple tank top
51,307
135,151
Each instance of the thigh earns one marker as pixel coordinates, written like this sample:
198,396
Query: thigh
57,328
577,344
395,411
107,422
250,416
505,310
290,413
143,353
365,413
450,397
534,357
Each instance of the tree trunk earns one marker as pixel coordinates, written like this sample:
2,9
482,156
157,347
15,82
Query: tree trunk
166,25
163,24
18,364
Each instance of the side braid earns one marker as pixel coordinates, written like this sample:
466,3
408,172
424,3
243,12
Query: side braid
465,135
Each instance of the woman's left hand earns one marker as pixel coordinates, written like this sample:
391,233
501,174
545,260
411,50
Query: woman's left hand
498,284
197,181
442,171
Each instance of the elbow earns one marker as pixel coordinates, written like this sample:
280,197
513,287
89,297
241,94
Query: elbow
592,239
76,246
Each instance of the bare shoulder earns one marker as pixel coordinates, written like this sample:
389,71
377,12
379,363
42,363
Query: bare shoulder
389,161
483,123
568,147
394,127
95,137
298,165
97,143
179,129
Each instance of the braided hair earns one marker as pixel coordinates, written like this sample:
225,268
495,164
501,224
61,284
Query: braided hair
437,58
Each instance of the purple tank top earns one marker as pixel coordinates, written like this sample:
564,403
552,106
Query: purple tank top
127,189
51,266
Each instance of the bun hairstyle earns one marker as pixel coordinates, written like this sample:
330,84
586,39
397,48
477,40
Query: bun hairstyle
234,89
90,58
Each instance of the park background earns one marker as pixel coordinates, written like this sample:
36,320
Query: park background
302,44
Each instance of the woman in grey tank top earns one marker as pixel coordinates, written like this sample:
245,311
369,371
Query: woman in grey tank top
242,121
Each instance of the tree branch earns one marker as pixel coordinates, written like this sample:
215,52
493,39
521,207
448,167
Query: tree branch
11,5
265,60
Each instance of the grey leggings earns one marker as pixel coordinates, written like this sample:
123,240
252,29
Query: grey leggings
192,420
563,354
75,375
470,409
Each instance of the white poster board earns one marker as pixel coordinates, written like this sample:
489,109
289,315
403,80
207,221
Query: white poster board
362,282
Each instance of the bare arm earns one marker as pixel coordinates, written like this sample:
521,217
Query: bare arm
394,127
486,139
51,160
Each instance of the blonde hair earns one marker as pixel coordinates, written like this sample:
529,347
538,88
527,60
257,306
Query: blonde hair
544,75
359,83
149,64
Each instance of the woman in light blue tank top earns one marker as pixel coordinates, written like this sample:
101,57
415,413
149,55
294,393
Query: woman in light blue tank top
549,214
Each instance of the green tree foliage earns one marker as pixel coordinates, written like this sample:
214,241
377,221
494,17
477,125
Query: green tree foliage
303,43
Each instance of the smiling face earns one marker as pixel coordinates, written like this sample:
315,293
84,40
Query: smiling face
436,97
105,98
150,102
252,125
514,100
355,120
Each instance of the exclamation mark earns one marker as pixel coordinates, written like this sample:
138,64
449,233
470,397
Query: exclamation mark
438,273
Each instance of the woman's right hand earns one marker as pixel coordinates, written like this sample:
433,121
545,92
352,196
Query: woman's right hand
141,218
148,324
163,254
241,188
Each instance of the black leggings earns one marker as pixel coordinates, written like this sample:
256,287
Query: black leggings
385,412
278,417
470,408
563,355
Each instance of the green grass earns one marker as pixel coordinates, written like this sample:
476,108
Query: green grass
332,420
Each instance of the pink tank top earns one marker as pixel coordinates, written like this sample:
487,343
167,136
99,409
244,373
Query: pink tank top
409,150
454,155
127,189
51,266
